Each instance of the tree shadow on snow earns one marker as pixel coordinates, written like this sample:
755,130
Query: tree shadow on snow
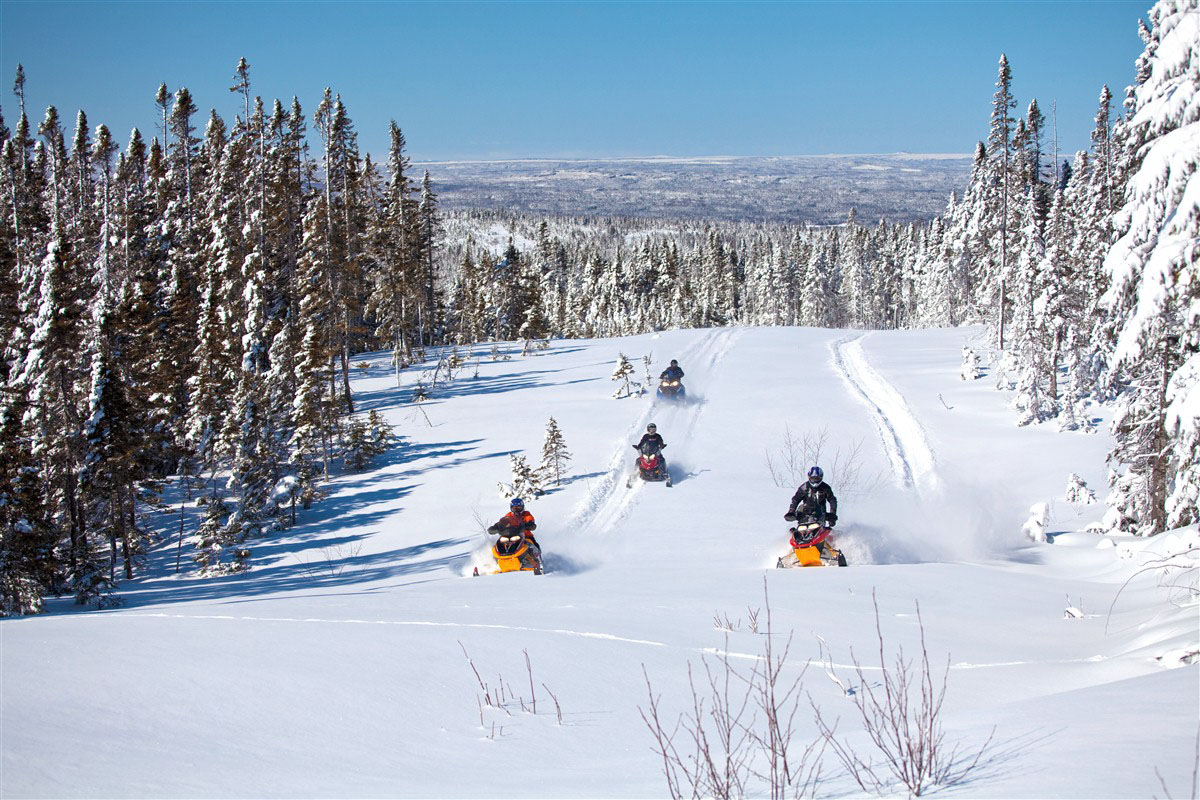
325,564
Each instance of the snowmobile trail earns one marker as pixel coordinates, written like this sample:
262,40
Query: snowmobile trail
904,440
610,502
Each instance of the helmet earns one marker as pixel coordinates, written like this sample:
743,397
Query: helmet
815,475
674,363
517,504
651,428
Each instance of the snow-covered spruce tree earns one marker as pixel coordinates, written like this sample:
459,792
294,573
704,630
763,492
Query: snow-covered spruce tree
394,250
999,149
624,374
248,434
284,226
429,228
554,454
51,369
356,453
177,174
110,469
311,434
816,301
345,231
1031,334
27,536
366,439
525,480
1155,290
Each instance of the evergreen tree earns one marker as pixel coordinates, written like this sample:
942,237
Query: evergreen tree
554,454
1155,290
999,148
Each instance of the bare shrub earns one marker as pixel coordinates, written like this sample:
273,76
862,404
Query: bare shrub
740,730
502,697
902,716
788,466
337,559
1195,793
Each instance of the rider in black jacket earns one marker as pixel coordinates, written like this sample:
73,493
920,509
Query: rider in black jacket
652,435
812,498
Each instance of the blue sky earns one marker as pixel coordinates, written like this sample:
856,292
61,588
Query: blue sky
470,80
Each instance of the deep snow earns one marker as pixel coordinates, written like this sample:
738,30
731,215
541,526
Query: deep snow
342,663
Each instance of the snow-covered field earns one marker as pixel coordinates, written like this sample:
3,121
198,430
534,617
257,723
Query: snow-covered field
351,660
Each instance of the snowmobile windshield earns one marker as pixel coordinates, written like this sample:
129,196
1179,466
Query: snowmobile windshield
650,449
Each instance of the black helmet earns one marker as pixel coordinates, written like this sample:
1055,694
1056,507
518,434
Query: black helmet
651,428
674,363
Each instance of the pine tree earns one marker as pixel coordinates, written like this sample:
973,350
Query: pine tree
1155,288
525,481
999,152
624,374
311,434
554,454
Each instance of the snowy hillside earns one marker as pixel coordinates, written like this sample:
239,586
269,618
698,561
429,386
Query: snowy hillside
357,657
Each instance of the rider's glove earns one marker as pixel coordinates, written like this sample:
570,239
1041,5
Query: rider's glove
790,516
831,520
531,526
493,530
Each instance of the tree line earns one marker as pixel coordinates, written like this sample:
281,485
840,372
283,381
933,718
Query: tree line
187,307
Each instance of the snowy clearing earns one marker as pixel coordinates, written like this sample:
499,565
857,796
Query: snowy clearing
365,658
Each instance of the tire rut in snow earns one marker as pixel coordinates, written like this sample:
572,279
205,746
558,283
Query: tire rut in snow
904,440
610,501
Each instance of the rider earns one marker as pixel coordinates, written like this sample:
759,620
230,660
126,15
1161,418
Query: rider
673,372
518,519
652,435
812,497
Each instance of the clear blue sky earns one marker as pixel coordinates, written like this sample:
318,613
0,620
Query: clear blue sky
547,79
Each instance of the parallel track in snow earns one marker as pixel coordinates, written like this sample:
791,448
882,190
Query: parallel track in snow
610,501
904,440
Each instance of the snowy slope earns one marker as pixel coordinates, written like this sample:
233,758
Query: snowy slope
350,661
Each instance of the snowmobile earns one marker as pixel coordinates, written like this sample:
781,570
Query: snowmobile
513,554
650,465
671,389
812,545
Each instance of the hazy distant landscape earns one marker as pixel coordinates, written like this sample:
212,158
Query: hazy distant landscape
817,190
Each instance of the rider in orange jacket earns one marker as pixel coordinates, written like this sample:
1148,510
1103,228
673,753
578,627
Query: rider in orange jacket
518,519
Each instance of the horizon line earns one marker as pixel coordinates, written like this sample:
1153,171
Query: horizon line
544,159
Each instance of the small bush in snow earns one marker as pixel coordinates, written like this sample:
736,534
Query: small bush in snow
1078,491
627,387
525,480
1035,526
366,439
970,367
285,494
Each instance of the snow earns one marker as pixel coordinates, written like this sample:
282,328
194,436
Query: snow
351,659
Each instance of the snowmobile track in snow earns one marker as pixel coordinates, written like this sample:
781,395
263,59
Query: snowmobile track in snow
610,501
904,440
